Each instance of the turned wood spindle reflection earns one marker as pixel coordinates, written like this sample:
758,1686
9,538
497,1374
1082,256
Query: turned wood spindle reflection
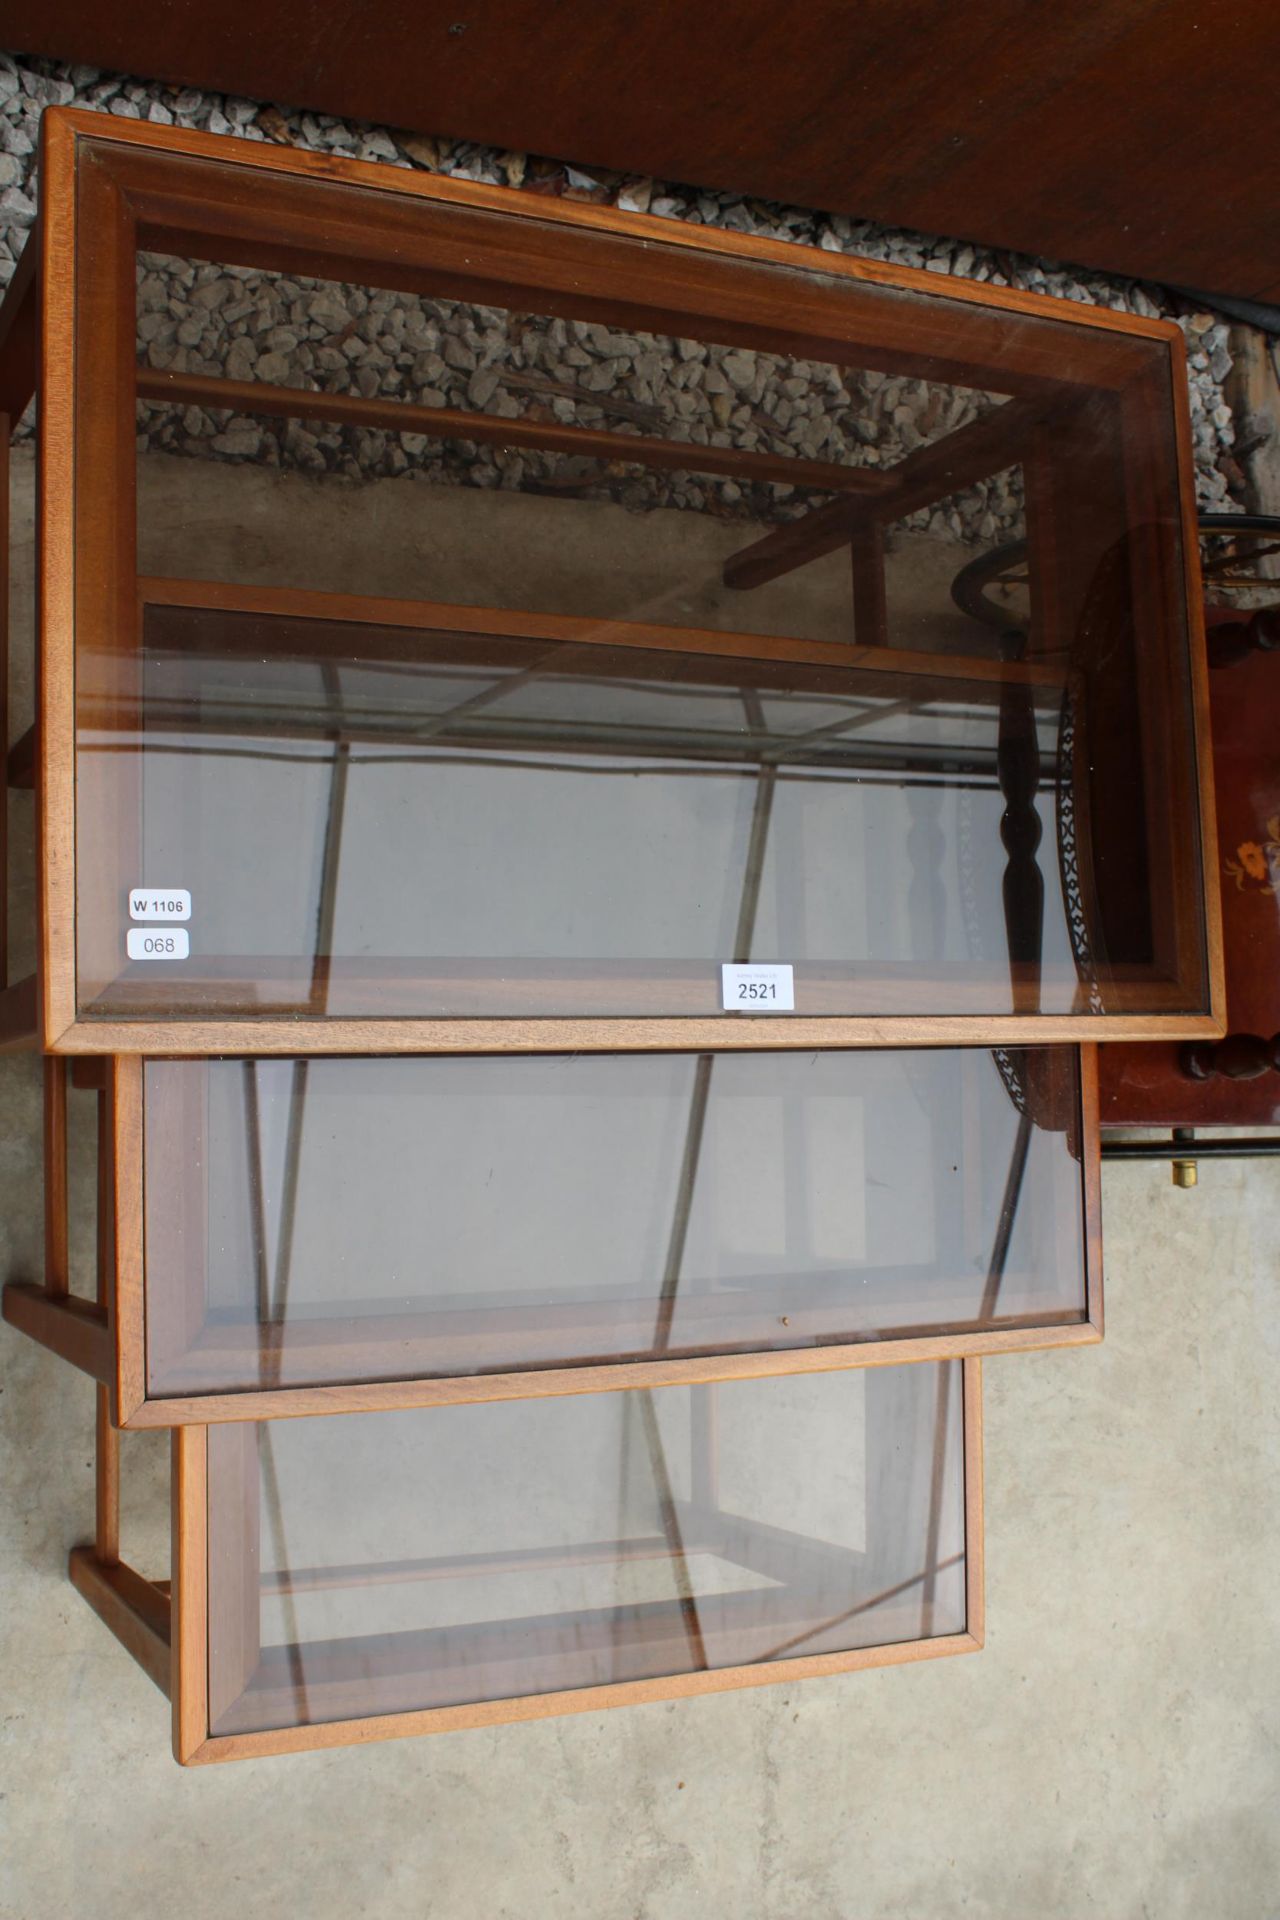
1018,772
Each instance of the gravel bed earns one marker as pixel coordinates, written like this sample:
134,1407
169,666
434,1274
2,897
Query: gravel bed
247,325
323,337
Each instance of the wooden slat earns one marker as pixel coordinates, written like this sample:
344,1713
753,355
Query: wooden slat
1091,1182
189,1667
933,472
248,1034
55,481
106,1530
441,1338
234,1549
523,1657
574,216
74,1329
870,597
455,423
974,1522
125,1171
448,619
231,210
396,1726
107,1451
535,1383
135,1610
394,1573
57,1277
107,812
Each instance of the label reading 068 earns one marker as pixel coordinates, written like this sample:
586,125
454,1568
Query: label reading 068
158,943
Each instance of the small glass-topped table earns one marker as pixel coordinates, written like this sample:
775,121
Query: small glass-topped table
388,1574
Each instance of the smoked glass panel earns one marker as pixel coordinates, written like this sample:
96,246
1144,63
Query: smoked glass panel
384,1563
328,1220
487,588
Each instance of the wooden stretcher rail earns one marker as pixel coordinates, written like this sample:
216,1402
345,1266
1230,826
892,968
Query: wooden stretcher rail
573,215
334,1034
391,1573
444,1344
504,253
995,440
450,625
135,1610
216,1409
457,423
74,1329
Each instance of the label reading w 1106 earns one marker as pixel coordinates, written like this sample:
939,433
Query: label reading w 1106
757,989
158,943
159,903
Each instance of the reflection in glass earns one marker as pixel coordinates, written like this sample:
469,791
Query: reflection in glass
382,1563
386,819
328,1220
534,655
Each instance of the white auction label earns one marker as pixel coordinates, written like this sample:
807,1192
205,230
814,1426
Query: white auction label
757,989
159,903
158,943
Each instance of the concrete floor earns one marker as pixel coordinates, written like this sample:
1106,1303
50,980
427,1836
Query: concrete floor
1113,1751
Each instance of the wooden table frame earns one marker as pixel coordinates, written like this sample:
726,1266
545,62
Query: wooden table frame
107,1337
165,1625
132,184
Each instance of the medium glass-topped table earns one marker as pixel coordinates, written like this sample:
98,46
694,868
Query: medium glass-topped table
300,1235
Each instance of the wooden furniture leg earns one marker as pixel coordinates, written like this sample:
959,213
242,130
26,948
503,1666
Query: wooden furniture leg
77,1330
137,1611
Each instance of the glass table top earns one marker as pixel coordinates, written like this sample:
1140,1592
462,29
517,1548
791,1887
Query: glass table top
389,1563
325,1221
